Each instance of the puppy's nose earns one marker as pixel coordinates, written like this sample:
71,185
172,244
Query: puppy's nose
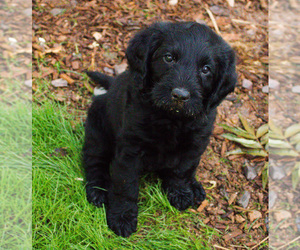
180,94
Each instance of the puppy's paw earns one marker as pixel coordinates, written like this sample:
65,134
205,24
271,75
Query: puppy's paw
123,223
96,195
199,193
180,197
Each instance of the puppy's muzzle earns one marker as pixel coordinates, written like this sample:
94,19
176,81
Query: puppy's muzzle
180,95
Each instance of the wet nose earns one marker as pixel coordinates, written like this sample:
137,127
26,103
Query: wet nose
180,94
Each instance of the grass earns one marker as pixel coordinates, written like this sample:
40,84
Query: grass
62,217
15,166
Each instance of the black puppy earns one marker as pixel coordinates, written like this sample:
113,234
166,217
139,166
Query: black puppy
157,116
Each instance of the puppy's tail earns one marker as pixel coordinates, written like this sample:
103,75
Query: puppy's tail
104,80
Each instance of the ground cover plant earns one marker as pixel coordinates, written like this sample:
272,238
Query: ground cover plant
92,35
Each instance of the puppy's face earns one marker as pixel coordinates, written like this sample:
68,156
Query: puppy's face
186,68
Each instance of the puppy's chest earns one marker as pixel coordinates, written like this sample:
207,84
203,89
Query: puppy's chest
166,142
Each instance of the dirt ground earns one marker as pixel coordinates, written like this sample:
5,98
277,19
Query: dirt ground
72,36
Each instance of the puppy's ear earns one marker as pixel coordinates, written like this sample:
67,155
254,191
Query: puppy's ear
140,49
226,80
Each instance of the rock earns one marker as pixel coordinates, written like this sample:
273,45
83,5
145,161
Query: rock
28,83
247,84
253,215
280,215
250,172
276,172
28,12
12,40
244,200
265,89
42,40
108,70
224,193
97,36
173,2
296,89
110,55
93,45
219,11
267,223
57,11
59,83
99,91
272,198
273,84
297,220
120,68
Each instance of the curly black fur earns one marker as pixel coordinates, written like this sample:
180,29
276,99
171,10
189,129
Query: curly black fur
156,116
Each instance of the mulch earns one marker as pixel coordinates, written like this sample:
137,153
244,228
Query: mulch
72,36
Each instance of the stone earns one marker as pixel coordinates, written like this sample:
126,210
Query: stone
273,84
59,83
108,70
57,11
276,172
28,12
265,89
173,2
120,68
28,83
250,172
296,89
247,84
272,198
244,200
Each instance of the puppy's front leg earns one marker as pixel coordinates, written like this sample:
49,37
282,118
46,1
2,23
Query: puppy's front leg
122,208
181,186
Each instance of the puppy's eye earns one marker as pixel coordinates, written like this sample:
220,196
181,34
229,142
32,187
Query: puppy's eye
205,70
168,58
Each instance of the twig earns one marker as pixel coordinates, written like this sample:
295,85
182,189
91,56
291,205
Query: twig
216,246
260,242
289,243
213,21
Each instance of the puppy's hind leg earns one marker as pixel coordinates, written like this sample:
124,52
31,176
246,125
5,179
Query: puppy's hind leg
97,154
